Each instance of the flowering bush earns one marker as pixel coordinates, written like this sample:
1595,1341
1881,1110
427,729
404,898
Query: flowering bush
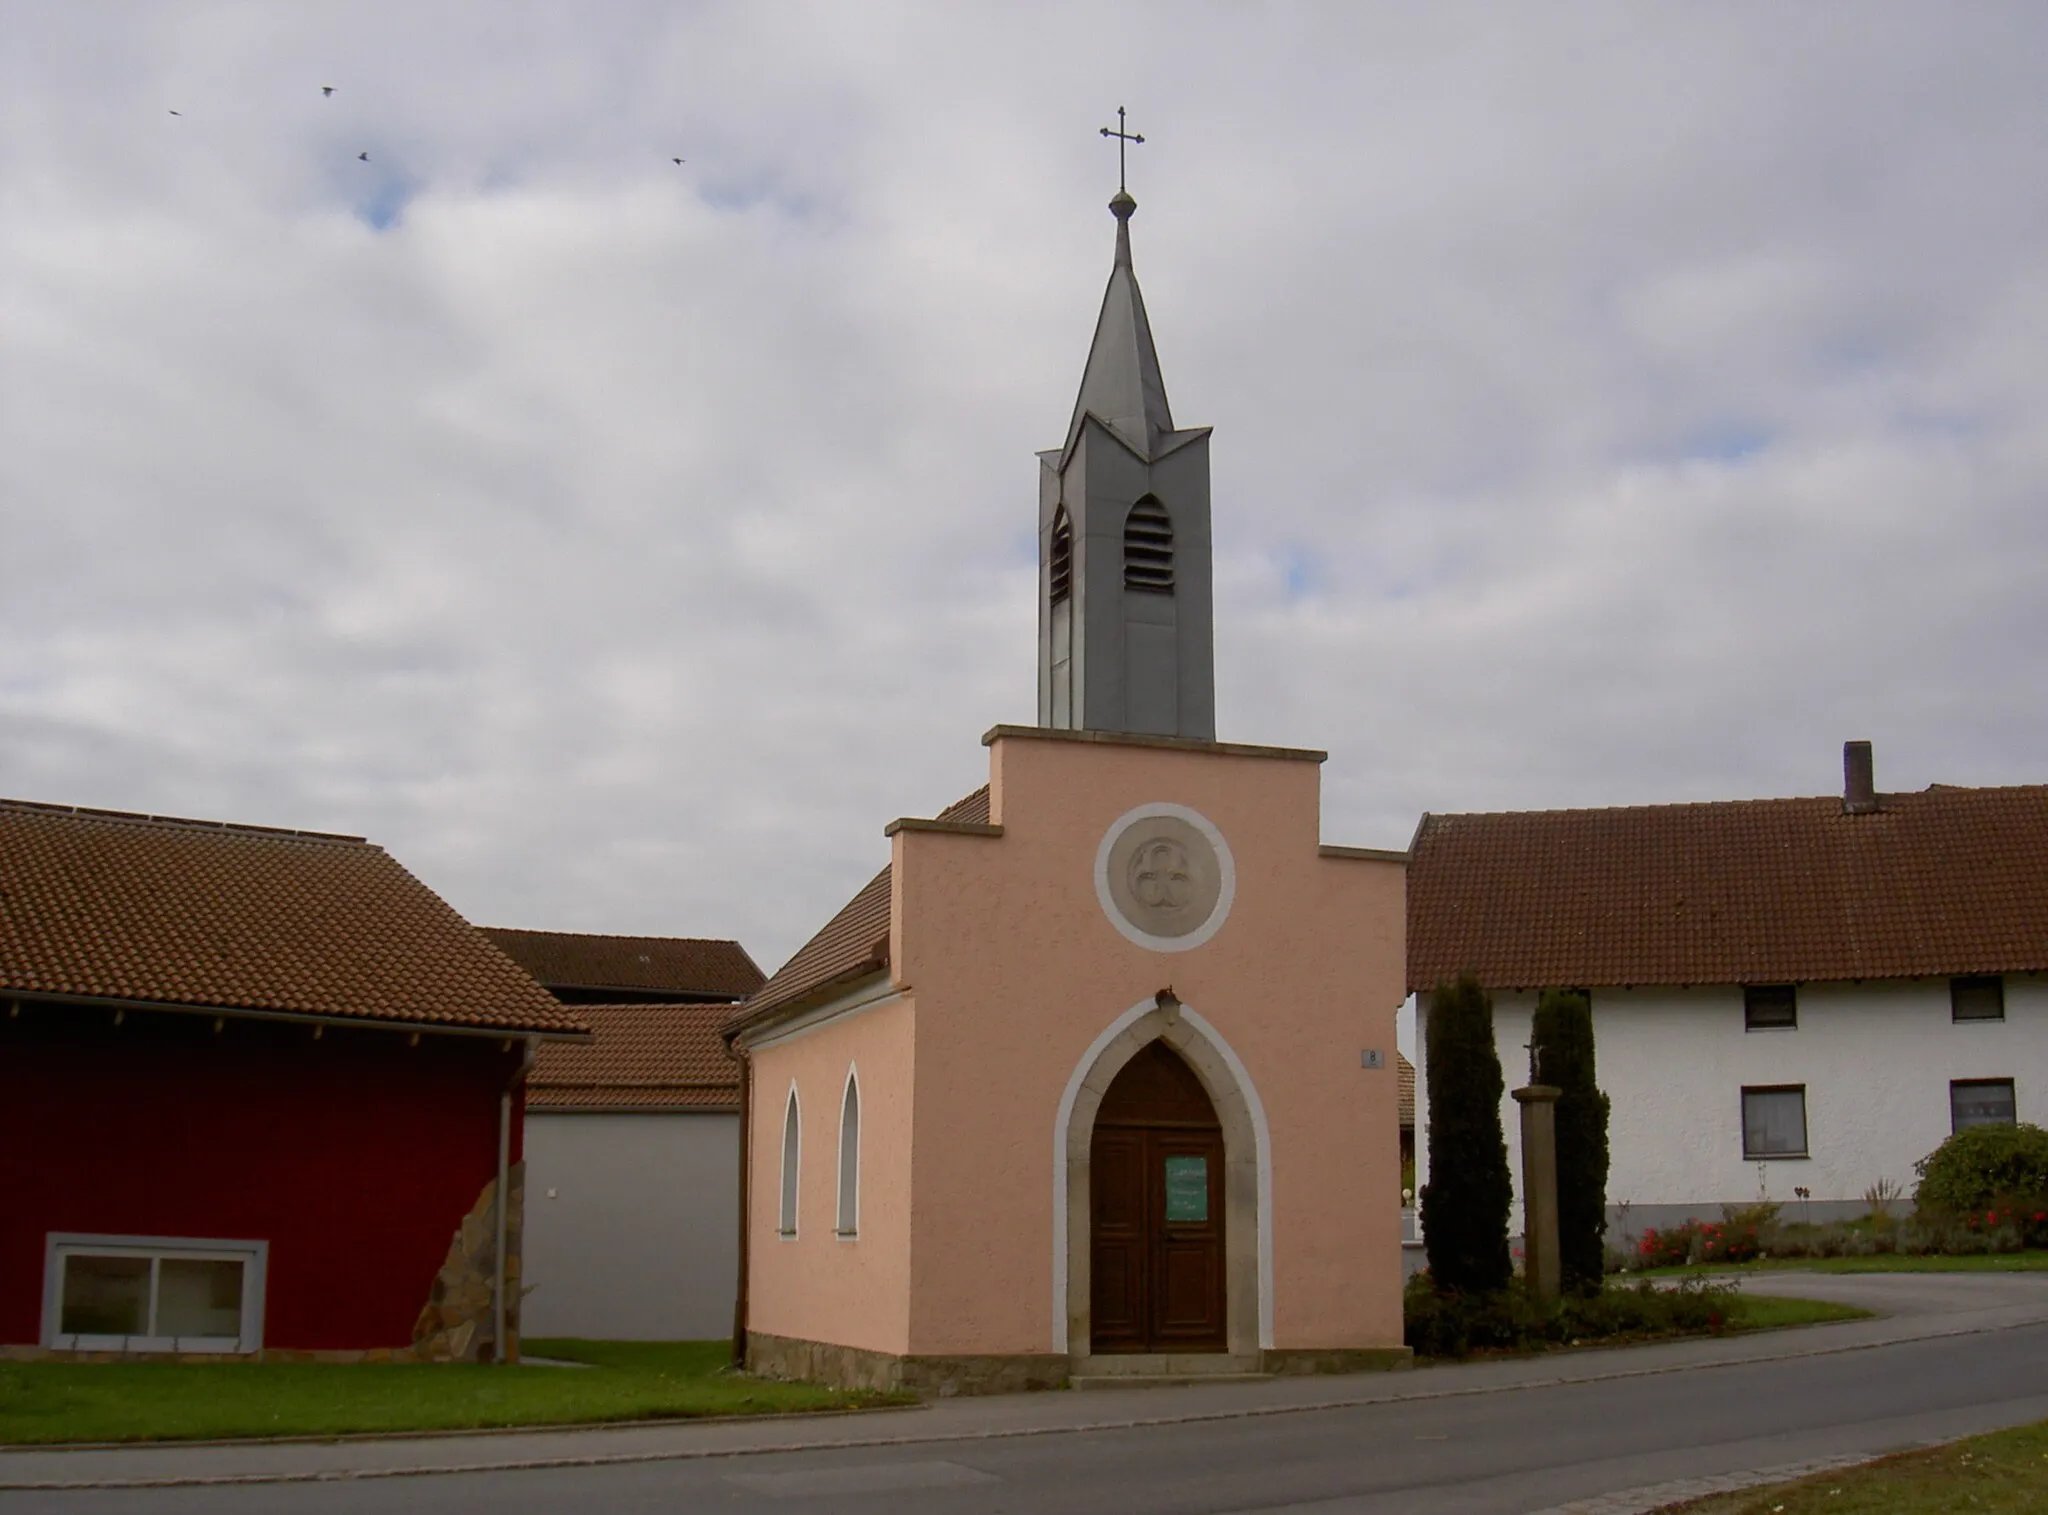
1664,1249
1700,1241
2007,1227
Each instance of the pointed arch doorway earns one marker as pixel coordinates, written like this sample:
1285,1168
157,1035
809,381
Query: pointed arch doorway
1157,1260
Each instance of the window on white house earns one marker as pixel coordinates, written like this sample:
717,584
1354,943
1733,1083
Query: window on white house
849,1158
1770,1007
792,1142
1774,1121
153,1294
1978,998
1981,1102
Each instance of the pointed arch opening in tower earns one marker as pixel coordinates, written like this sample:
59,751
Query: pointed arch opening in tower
1062,556
1148,548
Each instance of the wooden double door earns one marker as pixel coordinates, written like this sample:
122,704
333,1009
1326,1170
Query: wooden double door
1155,1186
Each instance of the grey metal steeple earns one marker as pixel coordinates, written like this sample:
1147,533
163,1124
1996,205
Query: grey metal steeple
1125,614
1122,385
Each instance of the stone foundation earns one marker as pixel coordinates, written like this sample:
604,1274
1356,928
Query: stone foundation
459,1320
1293,1361
863,1368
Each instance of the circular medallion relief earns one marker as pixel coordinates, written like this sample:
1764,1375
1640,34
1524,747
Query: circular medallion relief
1164,876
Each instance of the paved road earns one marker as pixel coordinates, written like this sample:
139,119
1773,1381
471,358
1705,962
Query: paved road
1957,1354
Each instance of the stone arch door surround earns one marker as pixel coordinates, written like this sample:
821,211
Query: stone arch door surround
1247,1165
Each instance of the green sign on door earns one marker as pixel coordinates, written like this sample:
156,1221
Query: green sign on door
1187,1188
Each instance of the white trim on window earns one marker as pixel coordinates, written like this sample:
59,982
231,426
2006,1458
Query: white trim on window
792,1164
849,1156
60,1247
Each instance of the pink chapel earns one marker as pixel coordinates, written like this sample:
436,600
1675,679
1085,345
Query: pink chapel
1097,1077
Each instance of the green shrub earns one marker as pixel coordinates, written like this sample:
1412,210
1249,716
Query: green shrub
1562,1038
1445,1324
1464,1206
1984,1168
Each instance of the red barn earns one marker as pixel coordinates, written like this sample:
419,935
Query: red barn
258,1089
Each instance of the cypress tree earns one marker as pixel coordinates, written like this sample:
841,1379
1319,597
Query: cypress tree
1563,1040
1464,1206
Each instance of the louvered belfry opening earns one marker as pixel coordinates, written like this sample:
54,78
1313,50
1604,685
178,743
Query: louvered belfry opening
1148,548
1062,556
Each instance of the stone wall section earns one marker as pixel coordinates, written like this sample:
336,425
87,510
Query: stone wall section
458,1322
843,1367
945,1376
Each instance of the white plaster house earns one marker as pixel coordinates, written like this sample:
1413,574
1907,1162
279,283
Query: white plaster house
632,1139
1787,994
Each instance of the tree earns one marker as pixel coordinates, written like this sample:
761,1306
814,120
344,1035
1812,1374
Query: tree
1465,1204
1563,1043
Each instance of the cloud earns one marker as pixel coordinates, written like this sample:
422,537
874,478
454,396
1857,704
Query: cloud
1611,406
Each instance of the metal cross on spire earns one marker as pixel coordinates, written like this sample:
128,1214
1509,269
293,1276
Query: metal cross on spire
1122,137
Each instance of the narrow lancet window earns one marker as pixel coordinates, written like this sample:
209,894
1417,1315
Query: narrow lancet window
1148,548
1062,556
849,1157
792,1142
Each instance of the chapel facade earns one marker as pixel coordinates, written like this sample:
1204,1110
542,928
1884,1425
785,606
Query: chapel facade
1097,1077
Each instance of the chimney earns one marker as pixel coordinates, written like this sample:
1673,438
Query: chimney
1859,782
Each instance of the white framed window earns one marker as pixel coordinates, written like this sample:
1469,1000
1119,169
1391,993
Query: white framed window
1981,1102
849,1156
152,1293
792,1155
1774,1121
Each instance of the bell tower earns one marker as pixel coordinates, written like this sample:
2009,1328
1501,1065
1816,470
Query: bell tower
1124,603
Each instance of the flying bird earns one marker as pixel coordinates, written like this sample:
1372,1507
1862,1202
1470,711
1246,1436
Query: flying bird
362,157
326,89
675,160
177,113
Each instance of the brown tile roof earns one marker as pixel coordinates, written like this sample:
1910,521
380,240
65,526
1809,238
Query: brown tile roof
852,945
1939,882
1407,1096
676,964
141,908
639,1057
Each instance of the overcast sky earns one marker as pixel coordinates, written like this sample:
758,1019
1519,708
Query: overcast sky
1613,403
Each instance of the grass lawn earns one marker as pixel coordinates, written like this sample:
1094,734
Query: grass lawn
2005,1473
1980,1262
42,1402
1765,1312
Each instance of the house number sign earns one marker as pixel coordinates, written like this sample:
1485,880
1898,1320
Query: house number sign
1187,1188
